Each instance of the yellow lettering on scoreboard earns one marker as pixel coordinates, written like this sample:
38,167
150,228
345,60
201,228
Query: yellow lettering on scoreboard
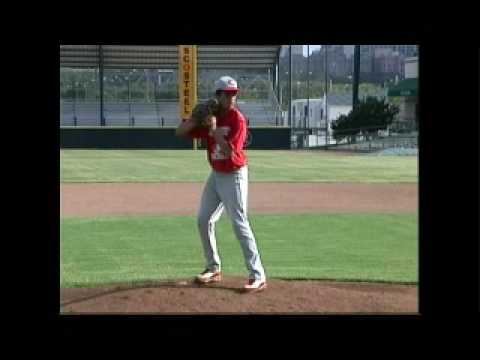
187,79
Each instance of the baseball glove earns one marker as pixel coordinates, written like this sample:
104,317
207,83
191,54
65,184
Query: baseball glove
202,111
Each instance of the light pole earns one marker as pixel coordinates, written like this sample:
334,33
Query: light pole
356,74
290,87
101,79
308,86
326,96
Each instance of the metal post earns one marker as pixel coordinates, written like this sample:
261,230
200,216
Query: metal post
129,100
274,84
326,95
290,86
274,87
356,74
308,86
100,70
279,111
277,84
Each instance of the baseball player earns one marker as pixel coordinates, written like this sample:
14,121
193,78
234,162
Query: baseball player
224,127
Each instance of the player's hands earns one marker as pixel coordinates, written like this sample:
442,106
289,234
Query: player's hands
211,122
202,113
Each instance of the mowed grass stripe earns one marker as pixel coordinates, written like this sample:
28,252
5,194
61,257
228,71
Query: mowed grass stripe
361,247
265,166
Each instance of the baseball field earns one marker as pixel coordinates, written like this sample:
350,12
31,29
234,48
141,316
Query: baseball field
338,233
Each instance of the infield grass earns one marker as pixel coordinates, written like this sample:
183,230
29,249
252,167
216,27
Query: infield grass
265,166
357,247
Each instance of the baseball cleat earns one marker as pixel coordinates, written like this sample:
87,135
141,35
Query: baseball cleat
208,276
255,285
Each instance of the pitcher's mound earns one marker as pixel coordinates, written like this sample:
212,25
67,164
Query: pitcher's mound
227,297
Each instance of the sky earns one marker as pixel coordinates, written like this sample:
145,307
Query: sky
348,50
312,48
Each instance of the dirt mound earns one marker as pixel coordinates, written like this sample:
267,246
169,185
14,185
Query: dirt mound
281,297
227,297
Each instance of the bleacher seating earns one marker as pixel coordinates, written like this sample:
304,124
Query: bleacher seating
87,113
151,114
116,114
259,113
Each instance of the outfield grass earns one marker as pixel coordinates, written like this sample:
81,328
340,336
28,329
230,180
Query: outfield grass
359,247
265,166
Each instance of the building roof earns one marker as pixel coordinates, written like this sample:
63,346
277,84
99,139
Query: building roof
166,56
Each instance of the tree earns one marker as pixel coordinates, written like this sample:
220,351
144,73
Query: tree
373,115
342,128
367,118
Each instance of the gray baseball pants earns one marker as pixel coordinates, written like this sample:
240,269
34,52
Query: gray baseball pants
228,191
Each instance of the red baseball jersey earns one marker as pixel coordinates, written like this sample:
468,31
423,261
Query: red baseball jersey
235,127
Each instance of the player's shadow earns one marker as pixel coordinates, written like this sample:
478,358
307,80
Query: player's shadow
163,285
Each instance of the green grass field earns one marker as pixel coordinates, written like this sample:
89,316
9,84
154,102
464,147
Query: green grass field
361,247
265,166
